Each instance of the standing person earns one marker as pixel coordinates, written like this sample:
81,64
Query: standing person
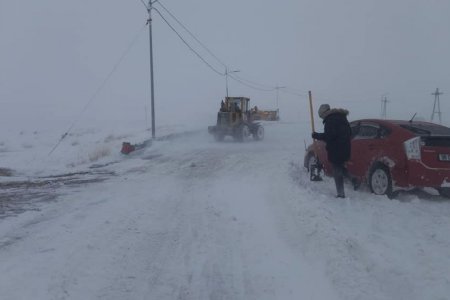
223,107
236,107
337,135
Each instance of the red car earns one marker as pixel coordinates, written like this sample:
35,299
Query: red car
392,155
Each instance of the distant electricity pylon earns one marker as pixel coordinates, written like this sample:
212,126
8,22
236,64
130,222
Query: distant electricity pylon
436,105
384,102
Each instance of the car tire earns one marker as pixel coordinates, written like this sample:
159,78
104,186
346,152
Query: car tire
444,192
313,167
380,181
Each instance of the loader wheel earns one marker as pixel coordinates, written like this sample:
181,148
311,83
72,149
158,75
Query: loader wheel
219,137
259,134
243,133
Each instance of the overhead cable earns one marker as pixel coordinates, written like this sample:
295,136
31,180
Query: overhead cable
187,44
192,35
144,4
239,79
253,83
248,85
292,93
102,85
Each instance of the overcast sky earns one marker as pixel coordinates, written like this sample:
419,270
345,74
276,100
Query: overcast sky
55,55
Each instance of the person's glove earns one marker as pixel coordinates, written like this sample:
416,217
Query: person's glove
315,135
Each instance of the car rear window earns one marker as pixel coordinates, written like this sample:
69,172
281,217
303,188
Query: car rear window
436,141
427,129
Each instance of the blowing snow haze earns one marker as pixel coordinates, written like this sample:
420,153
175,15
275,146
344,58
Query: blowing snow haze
188,217
56,54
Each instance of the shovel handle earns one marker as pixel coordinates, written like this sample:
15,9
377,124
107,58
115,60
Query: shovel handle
311,111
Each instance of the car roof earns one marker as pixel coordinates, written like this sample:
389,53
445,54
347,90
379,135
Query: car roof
417,127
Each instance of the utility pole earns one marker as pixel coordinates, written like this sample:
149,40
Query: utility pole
152,90
226,78
438,104
277,88
384,102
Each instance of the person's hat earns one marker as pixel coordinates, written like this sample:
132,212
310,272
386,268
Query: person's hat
323,109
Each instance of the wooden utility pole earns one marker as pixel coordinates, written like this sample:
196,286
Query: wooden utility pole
152,89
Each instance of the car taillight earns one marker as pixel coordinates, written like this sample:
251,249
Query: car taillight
412,148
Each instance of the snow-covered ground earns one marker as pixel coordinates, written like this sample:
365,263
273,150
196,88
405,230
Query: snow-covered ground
189,218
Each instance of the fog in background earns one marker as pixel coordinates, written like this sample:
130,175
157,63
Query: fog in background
54,56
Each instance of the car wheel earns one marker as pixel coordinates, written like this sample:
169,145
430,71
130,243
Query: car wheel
380,181
314,168
259,134
444,192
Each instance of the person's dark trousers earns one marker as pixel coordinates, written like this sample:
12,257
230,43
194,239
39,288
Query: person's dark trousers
339,172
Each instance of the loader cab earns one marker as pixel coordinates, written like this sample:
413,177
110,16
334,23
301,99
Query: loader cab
238,107
237,102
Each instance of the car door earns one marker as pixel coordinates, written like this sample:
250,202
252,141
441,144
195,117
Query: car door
367,145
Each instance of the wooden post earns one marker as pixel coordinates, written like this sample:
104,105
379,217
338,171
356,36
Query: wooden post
315,168
311,111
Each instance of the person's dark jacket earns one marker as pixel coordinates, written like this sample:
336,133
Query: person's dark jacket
337,135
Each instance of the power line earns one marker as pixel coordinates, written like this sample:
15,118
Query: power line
268,88
248,85
286,91
253,83
100,88
305,93
243,81
144,4
186,43
192,35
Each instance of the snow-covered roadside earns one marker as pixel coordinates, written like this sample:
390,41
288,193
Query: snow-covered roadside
184,222
192,219
42,152
372,247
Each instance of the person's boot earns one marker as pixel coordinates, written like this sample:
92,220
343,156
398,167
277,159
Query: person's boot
339,182
356,183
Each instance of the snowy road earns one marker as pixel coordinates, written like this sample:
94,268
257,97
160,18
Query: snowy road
189,218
